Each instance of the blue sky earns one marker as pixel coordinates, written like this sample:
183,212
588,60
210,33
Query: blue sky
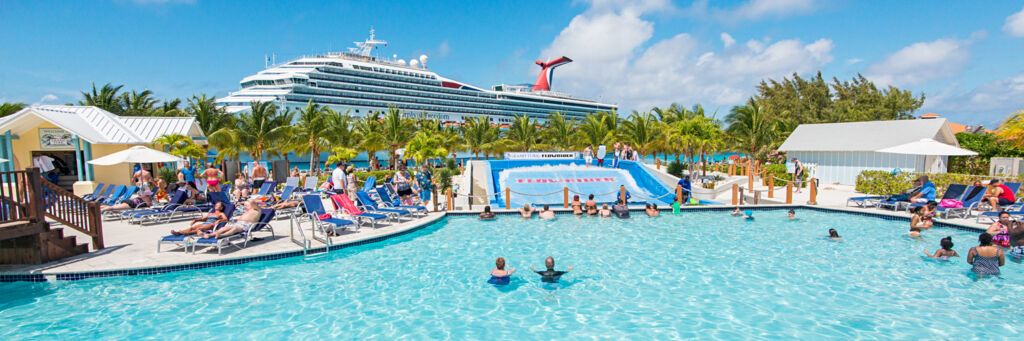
964,57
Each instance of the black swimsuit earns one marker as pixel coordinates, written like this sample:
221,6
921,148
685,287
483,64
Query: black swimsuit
550,276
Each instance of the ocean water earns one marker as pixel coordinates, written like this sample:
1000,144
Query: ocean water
701,275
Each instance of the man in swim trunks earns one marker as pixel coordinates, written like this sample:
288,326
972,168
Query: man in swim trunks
258,176
526,211
546,213
245,222
550,275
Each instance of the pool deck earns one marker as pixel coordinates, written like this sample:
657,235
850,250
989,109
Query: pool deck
132,249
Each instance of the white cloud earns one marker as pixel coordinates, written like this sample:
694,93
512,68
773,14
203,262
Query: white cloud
854,60
46,98
755,9
1015,24
444,49
921,62
611,63
727,39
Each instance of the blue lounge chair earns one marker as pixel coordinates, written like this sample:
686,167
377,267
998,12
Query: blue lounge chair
95,193
113,197
183,240
266,215
971,200
177,198
310,185
953,191
346,205
371,205
292,181
369,184
868,201
106,194
170,212
266,188
392,202
315,209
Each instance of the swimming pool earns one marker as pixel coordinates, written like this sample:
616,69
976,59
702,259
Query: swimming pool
702,274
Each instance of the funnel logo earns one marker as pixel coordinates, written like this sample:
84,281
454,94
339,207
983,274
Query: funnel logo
570,180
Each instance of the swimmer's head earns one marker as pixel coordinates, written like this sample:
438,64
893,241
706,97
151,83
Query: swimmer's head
985,239
654,206
792,213
499,263
487,208
915,210
832,233
737,210
591,197
526,206
946,243
604,206
931,205
549,263
546,207
576,198
749,213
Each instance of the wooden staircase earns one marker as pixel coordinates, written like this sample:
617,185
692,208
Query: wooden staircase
26,200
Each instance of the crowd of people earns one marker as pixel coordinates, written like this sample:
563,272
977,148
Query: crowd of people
620,152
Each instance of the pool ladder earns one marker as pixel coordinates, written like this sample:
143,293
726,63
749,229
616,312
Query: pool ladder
306,242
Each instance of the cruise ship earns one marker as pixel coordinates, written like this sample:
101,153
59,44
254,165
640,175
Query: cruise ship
358,82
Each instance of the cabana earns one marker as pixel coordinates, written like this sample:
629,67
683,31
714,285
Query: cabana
67,137
844,150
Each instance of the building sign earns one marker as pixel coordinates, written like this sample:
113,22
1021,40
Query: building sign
53,138
542,155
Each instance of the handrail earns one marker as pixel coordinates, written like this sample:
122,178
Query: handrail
305,243
73,211
15,200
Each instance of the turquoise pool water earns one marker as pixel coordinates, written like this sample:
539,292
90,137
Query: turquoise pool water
699,275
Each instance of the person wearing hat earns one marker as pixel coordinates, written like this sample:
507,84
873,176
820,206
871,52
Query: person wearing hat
748,215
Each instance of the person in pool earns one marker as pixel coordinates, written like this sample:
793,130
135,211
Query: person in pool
550,275
945,249
499,275
1000,230
748,215
917,222
736,212
833,235
605,212
577,206
986,258
526,211
652,210
620,209
591,205
791,215
487,214
675,205
546,213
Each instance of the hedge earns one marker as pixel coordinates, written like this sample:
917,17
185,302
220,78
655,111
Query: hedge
779,170
883,182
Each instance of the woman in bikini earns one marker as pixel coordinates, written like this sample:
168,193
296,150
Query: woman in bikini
591,205
577,206
918,222
212,175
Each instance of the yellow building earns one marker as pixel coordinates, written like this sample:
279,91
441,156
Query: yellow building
71,135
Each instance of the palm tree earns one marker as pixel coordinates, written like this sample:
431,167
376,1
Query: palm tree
523,134
138,103
594,130
749,128
479,135
257,130
367,131
310,133
1012,130
643,131
672,114
179,145
169,108
425,146
106,98
695,137
398,130
10,108
559,131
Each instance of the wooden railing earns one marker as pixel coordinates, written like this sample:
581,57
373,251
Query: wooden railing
73,211
16,193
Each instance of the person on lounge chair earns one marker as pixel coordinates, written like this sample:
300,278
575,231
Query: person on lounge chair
291,202
927,192
206,222
136,201
998,195
246,221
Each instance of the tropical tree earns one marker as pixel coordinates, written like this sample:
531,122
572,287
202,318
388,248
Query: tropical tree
595,130
368,132
138,103
10,108
257,131
696,137
480,135
643,131
673,113
523,134
750,130
170,108
106,98
1012,130
179,145
425,146
340,154
310,133
398,130
559,131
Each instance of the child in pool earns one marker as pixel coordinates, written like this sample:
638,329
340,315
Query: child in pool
833,235
945,251
791,215
917,222
675,206
748,215
736,212
605,211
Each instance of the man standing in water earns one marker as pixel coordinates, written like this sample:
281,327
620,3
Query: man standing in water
550,275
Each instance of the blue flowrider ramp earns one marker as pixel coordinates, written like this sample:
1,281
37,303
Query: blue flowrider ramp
538,182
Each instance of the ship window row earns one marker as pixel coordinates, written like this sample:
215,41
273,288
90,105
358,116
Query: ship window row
429,90
373,75
317,63
294,80
428,101
406,106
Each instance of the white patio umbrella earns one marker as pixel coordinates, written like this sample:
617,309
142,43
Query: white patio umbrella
137,154
927,147
3,159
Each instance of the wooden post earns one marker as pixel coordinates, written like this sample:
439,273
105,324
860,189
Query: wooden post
814,191
36,204
433,195
679,194
622,194
771,185
735,191
757,197
508,198
750,179
732,169
96,223
565,197
789,193
658,161
451,205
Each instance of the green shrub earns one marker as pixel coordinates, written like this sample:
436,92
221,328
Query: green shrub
676,169
779,170
444,179
380,174
883,182
169,175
